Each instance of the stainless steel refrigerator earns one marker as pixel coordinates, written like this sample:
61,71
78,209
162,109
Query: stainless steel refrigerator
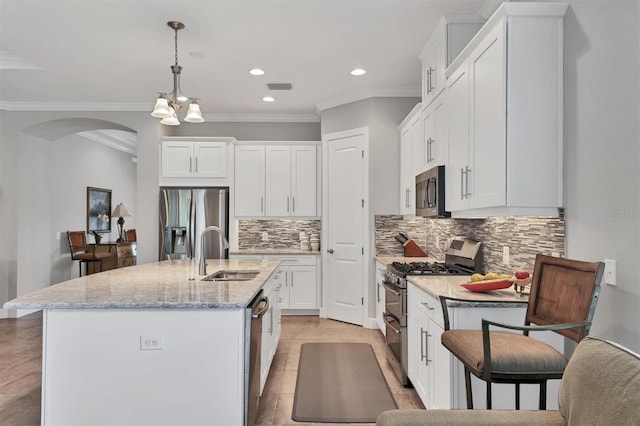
184,213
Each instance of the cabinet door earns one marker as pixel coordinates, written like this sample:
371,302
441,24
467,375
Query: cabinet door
422,365
487,114
458,88
177,159
440,370
249,181
439,148
433,66
278,181
407,178
429,134
303,181
418,147
302,289
380,298
210,159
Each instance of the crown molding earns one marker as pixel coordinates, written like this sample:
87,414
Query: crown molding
403,92
262,118
144,107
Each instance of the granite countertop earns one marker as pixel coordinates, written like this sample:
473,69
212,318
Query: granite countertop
166,284
449,285
290,250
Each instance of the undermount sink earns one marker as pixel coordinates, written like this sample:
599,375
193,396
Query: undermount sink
232,275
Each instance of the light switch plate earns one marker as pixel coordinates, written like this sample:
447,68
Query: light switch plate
610,273
505,255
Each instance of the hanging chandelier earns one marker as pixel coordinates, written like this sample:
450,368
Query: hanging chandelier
168,104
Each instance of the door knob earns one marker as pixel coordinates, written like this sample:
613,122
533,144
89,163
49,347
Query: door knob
330,251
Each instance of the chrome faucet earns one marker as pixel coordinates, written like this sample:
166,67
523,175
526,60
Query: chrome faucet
225,244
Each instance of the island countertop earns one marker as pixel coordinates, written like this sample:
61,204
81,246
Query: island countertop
165,284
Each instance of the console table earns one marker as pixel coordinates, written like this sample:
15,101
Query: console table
122,254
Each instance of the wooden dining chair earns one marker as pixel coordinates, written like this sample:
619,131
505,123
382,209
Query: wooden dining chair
562,299
131,236
78,248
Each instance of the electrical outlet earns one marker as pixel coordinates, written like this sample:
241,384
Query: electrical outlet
153,342
265,236
505,255
610,273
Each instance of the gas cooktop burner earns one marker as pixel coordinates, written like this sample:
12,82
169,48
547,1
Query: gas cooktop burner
429,268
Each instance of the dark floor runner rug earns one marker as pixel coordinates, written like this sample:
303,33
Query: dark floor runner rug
340,383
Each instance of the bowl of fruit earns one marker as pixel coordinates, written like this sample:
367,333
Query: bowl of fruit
488,282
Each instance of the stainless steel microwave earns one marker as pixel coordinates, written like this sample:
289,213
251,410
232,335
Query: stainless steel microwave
430,193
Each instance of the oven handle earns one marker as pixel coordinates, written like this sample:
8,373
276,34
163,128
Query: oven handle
391,289
395,330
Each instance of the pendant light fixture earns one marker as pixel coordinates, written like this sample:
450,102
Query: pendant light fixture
168,104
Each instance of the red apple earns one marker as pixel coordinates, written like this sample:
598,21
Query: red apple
522,274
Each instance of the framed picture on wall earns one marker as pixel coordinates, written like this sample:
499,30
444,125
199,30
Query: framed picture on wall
98,210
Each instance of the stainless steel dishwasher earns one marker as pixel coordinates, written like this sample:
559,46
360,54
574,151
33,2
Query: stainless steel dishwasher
253,337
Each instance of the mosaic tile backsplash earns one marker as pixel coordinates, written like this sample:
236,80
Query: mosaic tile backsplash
284,233
525,236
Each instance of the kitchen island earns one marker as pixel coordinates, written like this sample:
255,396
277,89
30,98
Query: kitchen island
149,344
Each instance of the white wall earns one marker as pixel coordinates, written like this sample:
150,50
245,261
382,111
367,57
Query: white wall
602,154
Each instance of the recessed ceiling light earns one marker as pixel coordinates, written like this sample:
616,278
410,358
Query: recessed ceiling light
358,71
256,71
269,99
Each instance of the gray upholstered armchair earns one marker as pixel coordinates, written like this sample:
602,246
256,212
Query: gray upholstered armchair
600,386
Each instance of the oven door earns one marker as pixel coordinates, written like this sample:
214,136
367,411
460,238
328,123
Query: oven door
397,347
395,301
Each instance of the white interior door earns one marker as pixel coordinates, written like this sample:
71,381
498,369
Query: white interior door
345,222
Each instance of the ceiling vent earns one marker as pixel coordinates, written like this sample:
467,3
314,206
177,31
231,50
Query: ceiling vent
279,86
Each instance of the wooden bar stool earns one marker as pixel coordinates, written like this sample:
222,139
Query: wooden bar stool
78,248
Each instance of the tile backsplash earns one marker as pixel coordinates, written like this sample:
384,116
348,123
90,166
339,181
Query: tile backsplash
525,236
283,233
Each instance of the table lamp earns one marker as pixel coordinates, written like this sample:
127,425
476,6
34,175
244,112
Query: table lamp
121,212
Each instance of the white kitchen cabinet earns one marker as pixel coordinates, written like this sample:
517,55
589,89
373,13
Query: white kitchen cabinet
276,180
291,180
194,158
511,76
438,377
449,38
411,159
380,297
270,327
429,361
300,282
435,133
249,180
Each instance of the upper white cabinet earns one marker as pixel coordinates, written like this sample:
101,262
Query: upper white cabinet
194,160
505,115
291,180
411,159
435,133
249,189
447,41
276,180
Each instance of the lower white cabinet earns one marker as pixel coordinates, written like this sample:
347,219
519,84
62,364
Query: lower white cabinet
380,297
438,377
429,360
299,277
270,327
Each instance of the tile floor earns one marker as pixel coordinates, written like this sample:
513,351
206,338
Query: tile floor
20,367
276,403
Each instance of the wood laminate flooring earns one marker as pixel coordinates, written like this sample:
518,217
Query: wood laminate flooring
21,367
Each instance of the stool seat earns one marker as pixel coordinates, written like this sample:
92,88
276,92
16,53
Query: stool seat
78,248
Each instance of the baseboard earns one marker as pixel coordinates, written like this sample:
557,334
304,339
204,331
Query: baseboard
4,313
18,313
313,312
371,323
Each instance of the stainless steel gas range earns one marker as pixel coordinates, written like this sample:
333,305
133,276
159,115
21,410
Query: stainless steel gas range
462,257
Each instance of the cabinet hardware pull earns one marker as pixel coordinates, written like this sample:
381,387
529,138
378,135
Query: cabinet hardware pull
395,330
461,183
287,204
409,197
466,178
196,164
261,204
427,360
422,344
378,293
428,306
294,204
431,88
190,166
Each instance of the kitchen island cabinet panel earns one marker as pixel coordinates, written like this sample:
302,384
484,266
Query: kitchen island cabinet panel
193,376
